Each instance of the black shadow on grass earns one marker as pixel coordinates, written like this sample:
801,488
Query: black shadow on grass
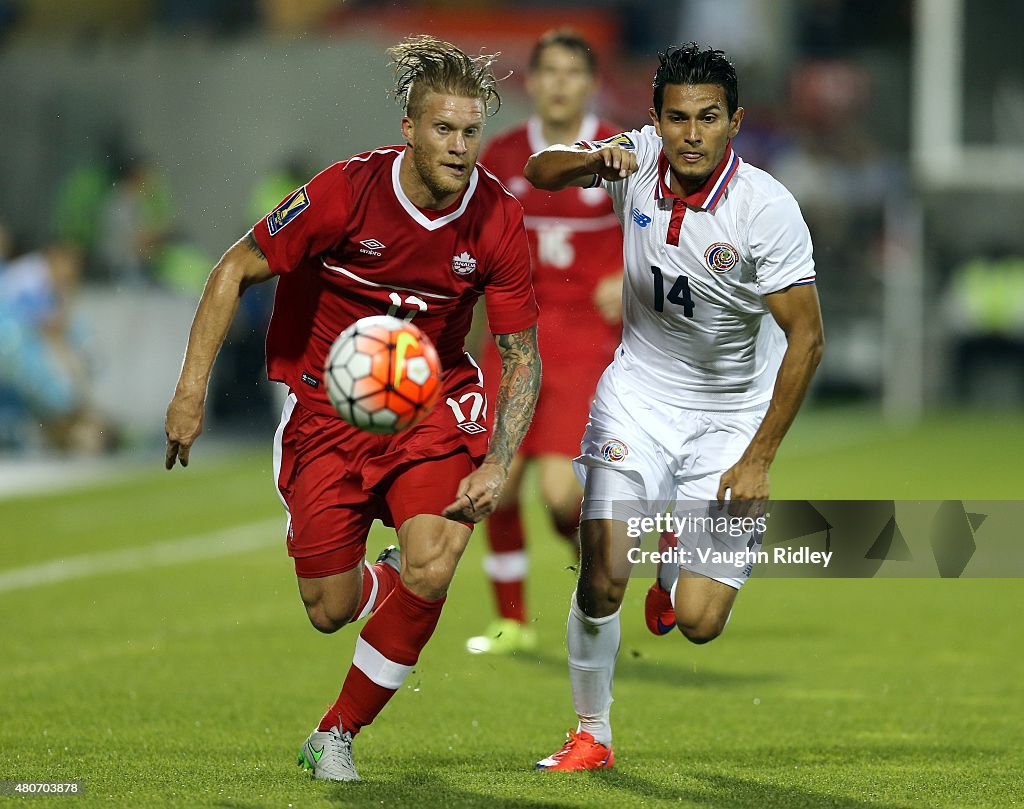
776,631
634,665
907,768
722,792
904,768
729,792
425,791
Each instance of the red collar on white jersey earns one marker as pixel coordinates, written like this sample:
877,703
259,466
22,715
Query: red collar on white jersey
713,189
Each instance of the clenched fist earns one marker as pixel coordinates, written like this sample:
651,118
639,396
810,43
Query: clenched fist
613,163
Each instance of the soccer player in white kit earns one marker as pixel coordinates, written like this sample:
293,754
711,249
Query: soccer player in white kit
721,335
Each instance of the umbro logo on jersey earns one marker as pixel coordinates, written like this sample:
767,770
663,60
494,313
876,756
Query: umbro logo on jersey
463,263
371,247
642,219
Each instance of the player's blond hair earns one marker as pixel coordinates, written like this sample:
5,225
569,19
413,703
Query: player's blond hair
425,64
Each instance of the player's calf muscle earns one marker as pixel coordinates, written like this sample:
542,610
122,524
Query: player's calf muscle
431,549
598,594
429,577
431,581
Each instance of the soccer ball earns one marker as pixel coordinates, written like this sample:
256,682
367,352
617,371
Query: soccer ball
383,374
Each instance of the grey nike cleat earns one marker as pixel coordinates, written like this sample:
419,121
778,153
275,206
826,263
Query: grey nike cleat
392,557
328,754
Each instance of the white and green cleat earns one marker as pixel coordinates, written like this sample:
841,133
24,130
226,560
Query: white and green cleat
503,637
392,557
328,755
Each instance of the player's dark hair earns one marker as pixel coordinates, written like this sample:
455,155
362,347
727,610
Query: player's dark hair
425,64
688,64
566,38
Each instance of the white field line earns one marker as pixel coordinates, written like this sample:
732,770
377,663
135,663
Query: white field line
28,478
227,542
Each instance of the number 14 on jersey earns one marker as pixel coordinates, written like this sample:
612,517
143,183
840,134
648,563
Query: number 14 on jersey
679,294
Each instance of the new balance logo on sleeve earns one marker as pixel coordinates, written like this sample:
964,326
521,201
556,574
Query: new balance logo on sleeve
642,219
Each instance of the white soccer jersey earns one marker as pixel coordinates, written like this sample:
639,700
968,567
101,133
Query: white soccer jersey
696,331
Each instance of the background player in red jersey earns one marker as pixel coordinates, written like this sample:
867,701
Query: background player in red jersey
415,231
576,243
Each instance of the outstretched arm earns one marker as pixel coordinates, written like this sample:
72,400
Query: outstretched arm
478,492
559,167
239,268
797,312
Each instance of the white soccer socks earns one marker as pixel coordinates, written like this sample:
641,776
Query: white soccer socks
593,645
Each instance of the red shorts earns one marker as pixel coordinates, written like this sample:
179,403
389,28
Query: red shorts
335,480
567,388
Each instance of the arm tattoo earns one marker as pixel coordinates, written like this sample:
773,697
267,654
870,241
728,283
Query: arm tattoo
250,241
517,394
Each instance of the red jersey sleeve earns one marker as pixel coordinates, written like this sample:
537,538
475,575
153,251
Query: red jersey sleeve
309,221
511,303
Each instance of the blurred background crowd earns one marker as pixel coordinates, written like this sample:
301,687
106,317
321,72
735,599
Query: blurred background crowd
142,137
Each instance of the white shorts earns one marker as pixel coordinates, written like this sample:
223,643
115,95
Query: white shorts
640,457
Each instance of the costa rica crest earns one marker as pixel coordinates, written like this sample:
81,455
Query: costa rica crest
614,450
721,257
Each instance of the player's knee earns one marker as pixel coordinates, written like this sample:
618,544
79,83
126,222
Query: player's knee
703,630
566,519
328,621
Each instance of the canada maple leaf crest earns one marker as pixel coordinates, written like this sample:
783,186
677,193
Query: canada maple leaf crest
463,264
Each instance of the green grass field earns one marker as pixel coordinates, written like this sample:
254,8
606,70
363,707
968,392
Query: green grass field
177,681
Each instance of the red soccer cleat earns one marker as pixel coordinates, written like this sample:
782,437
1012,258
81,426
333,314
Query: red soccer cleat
659,614
580,752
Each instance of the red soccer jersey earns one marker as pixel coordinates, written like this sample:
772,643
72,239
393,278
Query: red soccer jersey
575,237
350,243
